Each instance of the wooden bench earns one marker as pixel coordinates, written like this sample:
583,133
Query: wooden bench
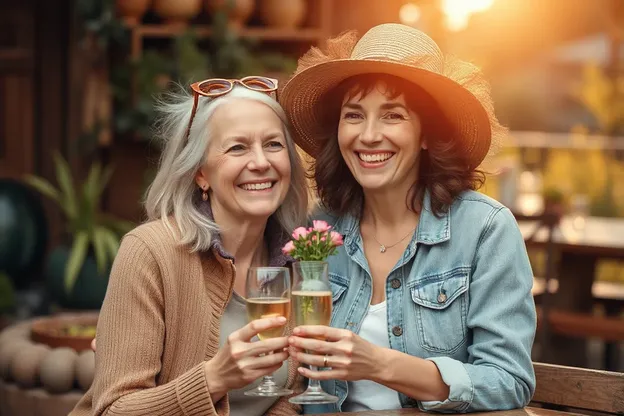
579,389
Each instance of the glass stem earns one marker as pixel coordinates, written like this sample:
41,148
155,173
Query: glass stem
314,385
268,381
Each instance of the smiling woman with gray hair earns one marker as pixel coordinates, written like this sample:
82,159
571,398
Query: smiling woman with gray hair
173,337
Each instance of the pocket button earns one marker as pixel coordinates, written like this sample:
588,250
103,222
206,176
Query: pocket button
441,297
397,331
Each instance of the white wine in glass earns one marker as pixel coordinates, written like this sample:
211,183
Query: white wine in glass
312,305
259,308
268,295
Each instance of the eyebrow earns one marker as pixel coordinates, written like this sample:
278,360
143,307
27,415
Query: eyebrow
385,106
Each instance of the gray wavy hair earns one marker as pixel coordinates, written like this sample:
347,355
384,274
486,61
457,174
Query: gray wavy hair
172,194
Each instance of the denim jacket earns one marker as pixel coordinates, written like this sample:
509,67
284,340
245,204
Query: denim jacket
459,296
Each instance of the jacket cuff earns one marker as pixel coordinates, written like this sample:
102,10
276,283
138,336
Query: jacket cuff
461,390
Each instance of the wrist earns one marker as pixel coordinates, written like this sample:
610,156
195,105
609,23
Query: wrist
216,387
382,367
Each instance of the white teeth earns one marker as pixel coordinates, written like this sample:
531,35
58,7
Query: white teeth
256,186
374,157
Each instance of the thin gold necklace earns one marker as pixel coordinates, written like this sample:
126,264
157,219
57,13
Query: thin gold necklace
383,247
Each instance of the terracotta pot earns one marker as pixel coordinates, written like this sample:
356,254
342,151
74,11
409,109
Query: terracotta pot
52,331
283,14
177,12
132,11
238,15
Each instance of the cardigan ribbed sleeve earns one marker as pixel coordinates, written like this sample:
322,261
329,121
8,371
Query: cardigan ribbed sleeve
131,332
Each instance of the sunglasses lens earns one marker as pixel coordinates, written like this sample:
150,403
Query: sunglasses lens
259,83
215,86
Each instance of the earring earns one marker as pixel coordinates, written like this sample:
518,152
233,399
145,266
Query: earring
204,194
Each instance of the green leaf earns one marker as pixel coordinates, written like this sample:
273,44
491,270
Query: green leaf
111,241
90,186
76,259
99,246
66,183
43,186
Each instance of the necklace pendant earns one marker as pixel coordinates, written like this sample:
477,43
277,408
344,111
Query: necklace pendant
382,248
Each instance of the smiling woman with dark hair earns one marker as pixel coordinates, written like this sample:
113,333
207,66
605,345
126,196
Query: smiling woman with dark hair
432,303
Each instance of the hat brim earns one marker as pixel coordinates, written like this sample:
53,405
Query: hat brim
302,99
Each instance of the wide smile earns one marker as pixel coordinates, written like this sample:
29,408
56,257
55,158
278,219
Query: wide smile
255,187
374,160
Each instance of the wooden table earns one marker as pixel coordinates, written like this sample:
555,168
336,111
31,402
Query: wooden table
580,249
601,237
527,411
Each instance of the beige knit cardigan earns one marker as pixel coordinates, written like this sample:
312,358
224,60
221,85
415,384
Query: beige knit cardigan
159,322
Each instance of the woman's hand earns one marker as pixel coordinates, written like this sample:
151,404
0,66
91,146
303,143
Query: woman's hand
239,362
350,357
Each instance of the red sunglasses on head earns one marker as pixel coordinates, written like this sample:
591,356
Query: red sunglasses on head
216,87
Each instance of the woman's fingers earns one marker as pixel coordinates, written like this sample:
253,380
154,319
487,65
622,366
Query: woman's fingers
260,347
322,332
321,347
322,360
265,361
323,375
253,328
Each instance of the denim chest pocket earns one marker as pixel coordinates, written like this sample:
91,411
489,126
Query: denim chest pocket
440,307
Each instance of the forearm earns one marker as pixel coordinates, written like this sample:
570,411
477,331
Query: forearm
417,378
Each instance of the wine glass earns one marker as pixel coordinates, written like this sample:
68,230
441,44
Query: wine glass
312,305
268,295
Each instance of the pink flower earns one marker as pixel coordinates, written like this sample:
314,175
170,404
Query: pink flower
336,238
288,248
321,226
300,232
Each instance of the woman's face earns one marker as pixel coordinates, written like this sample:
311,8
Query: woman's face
380,140
247,166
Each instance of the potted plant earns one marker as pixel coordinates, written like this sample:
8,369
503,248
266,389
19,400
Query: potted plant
554,203
77,270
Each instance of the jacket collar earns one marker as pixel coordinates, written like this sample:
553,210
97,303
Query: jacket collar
431,229
275,236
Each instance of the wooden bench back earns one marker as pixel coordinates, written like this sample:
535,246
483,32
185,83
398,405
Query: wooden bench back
580,388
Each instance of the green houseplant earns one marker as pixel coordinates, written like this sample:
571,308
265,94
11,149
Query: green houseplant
80,266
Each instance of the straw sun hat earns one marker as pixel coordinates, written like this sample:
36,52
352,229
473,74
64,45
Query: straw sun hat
458,87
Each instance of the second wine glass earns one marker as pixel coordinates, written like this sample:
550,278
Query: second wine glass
312,305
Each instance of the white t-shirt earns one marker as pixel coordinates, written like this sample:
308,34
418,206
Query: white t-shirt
366,394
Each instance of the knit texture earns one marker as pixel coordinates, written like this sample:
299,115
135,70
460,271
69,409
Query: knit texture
159,322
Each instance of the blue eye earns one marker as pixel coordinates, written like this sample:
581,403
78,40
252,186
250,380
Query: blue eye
236,148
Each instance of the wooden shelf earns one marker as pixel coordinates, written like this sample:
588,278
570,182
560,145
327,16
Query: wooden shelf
165,31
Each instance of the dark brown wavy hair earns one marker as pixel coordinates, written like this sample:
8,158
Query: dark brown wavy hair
443,168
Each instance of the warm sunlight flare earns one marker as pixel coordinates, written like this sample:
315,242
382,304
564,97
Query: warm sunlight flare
458,12
409,14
